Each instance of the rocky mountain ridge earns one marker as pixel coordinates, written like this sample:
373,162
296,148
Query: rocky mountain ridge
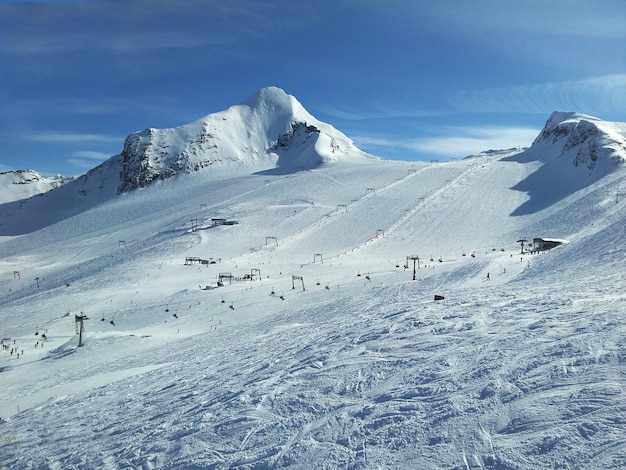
272,132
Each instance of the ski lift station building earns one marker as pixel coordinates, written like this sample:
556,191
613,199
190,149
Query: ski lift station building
543,244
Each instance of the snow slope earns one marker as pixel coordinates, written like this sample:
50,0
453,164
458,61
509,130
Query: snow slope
319,350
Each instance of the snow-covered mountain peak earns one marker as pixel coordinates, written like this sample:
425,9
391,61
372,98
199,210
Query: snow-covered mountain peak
585,141
256,135
22,184
562,117
559,125
572,152
271,97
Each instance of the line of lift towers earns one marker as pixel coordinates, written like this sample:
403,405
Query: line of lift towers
254,274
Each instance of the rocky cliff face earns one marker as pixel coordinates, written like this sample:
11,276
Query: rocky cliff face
147,156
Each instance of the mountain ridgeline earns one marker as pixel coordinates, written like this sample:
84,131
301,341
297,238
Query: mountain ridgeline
271,133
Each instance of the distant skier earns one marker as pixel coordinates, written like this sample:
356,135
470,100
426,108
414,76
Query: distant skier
488,276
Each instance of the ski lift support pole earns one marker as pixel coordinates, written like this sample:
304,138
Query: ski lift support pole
415,259
79,319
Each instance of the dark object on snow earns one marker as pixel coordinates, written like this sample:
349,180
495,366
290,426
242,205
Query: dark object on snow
439,297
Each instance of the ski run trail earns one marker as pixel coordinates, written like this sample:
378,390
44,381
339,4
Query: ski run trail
318,350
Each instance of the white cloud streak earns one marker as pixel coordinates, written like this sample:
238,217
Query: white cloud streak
91,155
469,141
375,111
83,164
87,159
602,96
455,141
66,137
605,95
136,27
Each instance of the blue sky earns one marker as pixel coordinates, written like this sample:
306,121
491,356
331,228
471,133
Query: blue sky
405,79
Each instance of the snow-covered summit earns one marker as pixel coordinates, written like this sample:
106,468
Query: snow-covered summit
22,184
586,141
571,153
269,130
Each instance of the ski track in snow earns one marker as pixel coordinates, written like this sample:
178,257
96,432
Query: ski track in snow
361,368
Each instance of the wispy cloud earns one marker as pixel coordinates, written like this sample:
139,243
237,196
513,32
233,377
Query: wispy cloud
380,142
83,164
87,159
91,155
453,141
535,32
66,137
520,20
465,141
605,95
135,27
68,105
375,111
95,105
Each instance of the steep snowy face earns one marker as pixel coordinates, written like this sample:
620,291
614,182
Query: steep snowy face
21,184
271,129
586,141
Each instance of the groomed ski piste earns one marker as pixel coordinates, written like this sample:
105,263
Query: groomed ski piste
304,332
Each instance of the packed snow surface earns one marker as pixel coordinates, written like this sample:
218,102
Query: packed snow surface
272,320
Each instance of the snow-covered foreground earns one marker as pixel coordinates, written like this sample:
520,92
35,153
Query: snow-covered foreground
331,356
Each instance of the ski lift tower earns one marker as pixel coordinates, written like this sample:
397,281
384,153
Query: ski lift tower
522,241
78,323
297,278
415,259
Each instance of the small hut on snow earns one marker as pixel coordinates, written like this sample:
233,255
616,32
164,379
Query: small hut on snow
544,244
